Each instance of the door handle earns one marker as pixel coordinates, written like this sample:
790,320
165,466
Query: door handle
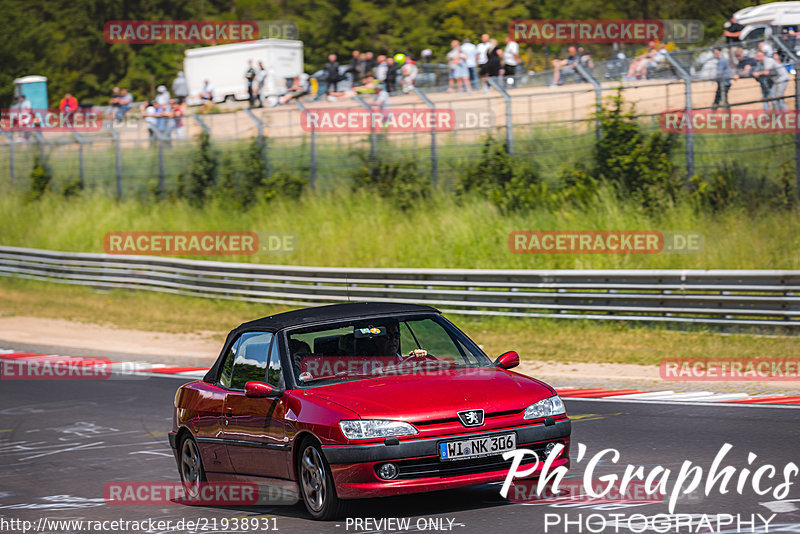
228,411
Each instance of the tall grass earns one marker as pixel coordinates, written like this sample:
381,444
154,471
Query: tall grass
343,228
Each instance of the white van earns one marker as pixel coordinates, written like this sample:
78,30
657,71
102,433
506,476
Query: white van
768,19
225,66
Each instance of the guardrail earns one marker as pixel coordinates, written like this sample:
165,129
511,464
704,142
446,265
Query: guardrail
730,297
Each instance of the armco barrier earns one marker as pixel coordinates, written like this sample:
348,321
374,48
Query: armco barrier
731,297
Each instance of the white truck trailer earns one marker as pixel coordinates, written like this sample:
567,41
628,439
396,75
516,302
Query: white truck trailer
225,66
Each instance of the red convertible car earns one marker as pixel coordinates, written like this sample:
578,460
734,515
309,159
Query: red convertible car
360,400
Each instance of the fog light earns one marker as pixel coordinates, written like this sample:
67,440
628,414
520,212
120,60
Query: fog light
388,471
549,448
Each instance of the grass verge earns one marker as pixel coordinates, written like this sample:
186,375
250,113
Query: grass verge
565,341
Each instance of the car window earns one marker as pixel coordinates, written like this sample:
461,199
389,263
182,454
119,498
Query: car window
227,365
436,341
250,363
274,375
367,347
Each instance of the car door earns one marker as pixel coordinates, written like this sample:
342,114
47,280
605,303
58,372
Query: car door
254,427
208,423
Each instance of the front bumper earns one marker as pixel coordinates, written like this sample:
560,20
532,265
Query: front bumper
354,467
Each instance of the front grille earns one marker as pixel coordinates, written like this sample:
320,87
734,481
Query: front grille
486,418
434,467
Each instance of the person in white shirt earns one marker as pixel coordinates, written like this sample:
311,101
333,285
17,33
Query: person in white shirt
471,51
207,94
483,48
511,56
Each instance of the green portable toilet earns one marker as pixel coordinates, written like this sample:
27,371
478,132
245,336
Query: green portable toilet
35,90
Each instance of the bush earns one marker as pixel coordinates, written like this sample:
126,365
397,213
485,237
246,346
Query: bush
399,182
254,165
284,184
637,165
72,188
41,178
202,175
733,185
510,183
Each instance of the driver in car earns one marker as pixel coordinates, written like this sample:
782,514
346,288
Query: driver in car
389,345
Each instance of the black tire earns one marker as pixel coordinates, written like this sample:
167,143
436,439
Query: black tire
315,483
190,467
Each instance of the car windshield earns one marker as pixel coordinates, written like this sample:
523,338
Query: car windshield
384,346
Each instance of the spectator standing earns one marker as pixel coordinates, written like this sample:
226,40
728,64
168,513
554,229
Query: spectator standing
150,119
410,72
471,53
381,68
456,61
767,72
391,75
331,73
261,82
180,88
494,61
732,31
356,67
483,49
511,56
250,76
781,80
369,64
723,79
162,96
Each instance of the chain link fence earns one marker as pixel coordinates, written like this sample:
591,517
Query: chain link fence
553,124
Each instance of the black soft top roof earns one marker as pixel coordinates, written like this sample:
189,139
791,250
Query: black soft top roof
317,314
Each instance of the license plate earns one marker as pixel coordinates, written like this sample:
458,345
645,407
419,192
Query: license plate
477,447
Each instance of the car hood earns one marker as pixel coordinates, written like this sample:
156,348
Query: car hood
417,398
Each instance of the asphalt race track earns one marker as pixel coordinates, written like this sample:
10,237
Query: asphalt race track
62,441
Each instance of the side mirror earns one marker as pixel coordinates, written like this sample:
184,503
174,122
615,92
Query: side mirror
257,390
507,360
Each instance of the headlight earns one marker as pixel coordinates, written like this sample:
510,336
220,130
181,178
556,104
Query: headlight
365,429
545,408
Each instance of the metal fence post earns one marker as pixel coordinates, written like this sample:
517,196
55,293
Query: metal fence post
687,80
117,158
81,169
791,55
434,156
10,137
509,124
260,127
373,143
313,148
598,91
